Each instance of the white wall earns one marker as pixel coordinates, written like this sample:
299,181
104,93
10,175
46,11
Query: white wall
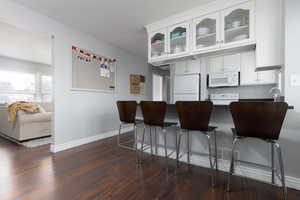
24,44
78,114
13,64
291,136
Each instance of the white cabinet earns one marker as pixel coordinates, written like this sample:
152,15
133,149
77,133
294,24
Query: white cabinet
215,65
237,24
178,39
186,84
206,32
248,74
187,67
232,63
157,44
269,32
231,27
226,63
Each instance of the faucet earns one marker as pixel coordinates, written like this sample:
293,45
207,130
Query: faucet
276,92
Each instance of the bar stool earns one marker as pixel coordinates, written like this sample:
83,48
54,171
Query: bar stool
127,113
195,116
154,116
261,120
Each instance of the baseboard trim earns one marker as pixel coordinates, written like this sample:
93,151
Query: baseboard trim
75,143
240,170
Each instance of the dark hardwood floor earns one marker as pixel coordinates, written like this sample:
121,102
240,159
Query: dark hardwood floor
101,170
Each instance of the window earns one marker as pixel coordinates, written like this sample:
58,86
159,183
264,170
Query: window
19,86
46,88
16,86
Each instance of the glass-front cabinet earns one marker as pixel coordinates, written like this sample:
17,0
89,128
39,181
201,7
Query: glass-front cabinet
228,28
178,36
157,44
206,32
237,24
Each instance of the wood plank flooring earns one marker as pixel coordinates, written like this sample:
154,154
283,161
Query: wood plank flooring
103,171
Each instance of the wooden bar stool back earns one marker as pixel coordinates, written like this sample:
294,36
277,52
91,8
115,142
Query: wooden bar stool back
195,116
127,114
261,120
154,113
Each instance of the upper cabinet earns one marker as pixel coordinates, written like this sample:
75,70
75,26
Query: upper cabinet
178,37
220,27
231,27
157,44
206,32
238,24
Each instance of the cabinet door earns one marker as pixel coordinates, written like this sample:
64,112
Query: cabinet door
232,63
157,46
187,67
186,84
248,74
238,24
193,67
205,32
215,65
180,68
178,37
267,77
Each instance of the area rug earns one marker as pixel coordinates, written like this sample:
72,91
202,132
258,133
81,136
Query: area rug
30,143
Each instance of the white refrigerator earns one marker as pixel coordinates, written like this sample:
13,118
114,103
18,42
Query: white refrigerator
187,87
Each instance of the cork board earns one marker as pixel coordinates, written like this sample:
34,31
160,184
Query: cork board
137,84
91,72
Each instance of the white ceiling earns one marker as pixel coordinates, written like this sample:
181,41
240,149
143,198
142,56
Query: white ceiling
25,45
119,22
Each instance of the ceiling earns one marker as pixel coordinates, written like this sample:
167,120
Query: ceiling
118,22
25,45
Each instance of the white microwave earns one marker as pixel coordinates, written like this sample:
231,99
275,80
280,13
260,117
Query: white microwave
228,79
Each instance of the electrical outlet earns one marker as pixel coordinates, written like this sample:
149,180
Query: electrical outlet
295,80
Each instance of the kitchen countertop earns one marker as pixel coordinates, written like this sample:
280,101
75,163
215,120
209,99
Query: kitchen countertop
262,99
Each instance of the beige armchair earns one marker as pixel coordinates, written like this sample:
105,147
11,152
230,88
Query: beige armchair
27,125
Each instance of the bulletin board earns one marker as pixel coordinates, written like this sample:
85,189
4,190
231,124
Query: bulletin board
91,72
137,84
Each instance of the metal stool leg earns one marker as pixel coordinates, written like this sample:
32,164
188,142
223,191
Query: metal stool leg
119,135
178,149
272,162
155,139
279,153
216,150
188,147
232,163
210,159
151,145
165,143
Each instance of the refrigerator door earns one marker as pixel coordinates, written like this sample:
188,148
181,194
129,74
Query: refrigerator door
186,97
187,84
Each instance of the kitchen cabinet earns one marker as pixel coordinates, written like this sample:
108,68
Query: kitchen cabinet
232,63
248,74
269,32
178,39
206,32
232,26
237,24
215,65
226,63
220,29
157,44
187,67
